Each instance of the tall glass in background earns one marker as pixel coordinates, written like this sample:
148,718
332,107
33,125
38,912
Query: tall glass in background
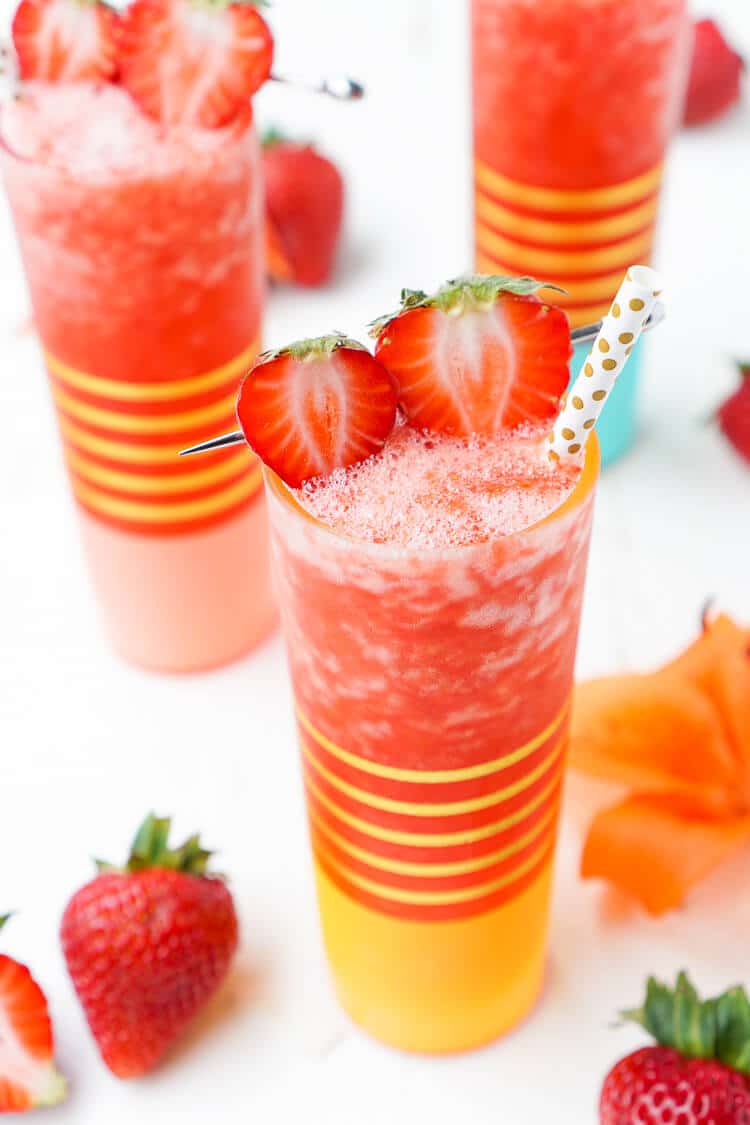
147,285
432,692
574,105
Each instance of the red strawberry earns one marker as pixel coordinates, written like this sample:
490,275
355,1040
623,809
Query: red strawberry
484,354
194,61
65,40
715,75
316,406
305,205
147,946
734,414
28,1077
698,1075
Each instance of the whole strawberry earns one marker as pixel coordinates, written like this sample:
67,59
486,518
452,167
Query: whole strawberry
697,1075
28,1076
304,208
734,414
147,946
715,75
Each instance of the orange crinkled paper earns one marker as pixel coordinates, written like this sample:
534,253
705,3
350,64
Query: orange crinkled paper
679,740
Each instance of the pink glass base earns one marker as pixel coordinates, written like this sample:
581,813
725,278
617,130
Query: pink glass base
185,603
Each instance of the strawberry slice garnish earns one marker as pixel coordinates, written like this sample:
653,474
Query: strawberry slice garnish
482,355
28,1077
65,40
194,61
316,406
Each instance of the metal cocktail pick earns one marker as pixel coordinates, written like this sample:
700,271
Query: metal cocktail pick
583,335
342,88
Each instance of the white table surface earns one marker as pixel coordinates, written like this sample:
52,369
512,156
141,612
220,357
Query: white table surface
89,744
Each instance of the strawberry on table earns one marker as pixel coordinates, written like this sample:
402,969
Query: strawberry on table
194,61
28,1076
715,75
482,355
698,1072
734,414
147,946
304,205
316,406
65,40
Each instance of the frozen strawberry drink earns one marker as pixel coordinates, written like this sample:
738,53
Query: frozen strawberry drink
430,569
139,213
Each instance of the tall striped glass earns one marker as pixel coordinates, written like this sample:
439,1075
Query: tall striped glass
432,693
574,105
147,286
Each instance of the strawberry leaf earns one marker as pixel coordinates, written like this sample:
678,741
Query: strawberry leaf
150,849
471,291
717,1028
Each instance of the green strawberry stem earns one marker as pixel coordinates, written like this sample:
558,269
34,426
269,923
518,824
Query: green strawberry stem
3,919
151,848
463,294
273,136
699,1029
321,347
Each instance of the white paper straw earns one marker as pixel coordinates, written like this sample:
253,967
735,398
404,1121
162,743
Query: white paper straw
609,353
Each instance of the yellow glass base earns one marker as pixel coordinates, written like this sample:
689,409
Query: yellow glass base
436,987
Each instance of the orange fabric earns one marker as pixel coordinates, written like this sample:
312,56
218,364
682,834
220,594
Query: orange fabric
679,739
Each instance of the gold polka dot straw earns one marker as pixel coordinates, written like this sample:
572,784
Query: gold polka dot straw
609,353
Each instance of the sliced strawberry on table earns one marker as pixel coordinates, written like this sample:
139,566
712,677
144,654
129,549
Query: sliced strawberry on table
28,1076
715,75
147,945
193,61
305,205
734,414
316,406
65,40
482,355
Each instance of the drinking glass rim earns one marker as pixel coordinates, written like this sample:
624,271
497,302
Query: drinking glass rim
232,130
582,489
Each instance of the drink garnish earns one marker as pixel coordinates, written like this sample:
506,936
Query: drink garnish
193,62
316,406
481,355
65,40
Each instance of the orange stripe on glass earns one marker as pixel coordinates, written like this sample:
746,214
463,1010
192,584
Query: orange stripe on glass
435,839
135,392
432,869
432,898
467,773
567,199
134,511
430,809
563,263
187,481
138,424
561,233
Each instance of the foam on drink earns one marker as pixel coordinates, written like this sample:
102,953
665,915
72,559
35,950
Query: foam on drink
432,491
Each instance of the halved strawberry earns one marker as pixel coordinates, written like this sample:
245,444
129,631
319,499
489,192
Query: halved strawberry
65,40
316,406
482,355
194,61
28,1076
